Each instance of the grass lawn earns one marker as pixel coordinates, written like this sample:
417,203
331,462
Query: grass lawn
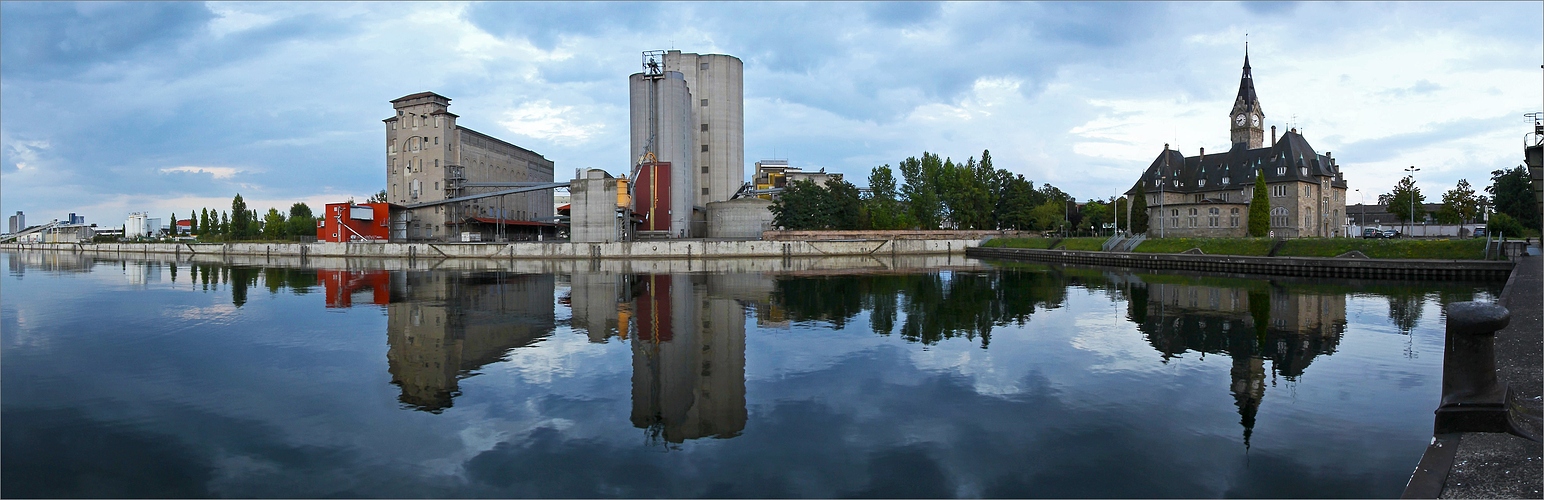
1035,243
1457,249
1461,249
1212,246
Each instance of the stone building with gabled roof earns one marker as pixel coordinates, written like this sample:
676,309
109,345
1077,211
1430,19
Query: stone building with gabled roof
1208,195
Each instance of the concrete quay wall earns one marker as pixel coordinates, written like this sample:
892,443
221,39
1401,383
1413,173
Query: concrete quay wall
1281,266
662,249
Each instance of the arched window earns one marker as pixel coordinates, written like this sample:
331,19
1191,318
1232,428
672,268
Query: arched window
1279,217
1192,220
1211,217
1233,217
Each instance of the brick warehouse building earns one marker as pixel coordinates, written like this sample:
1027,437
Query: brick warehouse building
1208,195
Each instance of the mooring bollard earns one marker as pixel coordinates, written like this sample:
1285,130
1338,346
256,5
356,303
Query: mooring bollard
1473,400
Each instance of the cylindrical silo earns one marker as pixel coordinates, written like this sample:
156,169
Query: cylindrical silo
661,122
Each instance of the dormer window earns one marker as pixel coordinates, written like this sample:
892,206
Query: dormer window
1226,181
1303,171
1282,170
1201,183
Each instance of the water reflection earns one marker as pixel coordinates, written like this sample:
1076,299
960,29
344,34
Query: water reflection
931,307
1016,381
687,337
1252,322
688,345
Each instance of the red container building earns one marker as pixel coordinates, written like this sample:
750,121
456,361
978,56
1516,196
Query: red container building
354,222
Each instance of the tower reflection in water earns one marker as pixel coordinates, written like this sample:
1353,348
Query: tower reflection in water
687,336
1251,325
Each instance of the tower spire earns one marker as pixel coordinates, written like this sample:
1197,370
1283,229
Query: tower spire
1246,117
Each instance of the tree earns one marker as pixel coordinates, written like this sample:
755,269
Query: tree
1459,205
1139,209
1095,215
301,221
921,190
273,225
225,224
797,207
843,206
240,222
1503,225
885,211
172,229
805,205
1259,208
378,197
1016,205
1511,192
201,224
1400,202
1048,215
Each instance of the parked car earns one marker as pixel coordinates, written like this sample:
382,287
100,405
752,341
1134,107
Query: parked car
1371,233
1391,233
1479,232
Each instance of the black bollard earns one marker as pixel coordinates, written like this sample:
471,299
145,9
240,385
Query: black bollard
1473,400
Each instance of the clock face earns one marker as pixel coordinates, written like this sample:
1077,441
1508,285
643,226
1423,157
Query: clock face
1238,120
1255,120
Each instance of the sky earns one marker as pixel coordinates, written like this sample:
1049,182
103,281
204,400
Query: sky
112,108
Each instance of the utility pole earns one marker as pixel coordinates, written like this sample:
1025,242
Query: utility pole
1411,221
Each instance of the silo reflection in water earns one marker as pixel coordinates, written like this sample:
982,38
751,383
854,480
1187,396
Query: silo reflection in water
688,360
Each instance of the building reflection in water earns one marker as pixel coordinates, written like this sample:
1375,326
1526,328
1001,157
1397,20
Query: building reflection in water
442,326
1252,326
687,336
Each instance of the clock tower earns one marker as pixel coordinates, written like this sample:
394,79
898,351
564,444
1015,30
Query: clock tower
1247,120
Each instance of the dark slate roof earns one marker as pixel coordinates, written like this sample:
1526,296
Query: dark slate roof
1239,165
418,95
1246,92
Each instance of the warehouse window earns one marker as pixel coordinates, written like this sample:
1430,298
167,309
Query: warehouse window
704,169
704,148
704,103
702,66
704,191
704,127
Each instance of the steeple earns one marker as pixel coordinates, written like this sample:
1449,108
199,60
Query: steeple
1246,119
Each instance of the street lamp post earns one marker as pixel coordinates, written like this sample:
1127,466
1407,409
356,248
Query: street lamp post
1410,223
1361,218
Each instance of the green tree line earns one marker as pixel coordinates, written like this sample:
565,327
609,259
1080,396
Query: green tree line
936,192
241,223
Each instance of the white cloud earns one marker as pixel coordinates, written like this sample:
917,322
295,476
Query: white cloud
25,154
217,172
541,120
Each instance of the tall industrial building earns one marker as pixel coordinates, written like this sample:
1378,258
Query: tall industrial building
429,158
661,122
714,116
18,222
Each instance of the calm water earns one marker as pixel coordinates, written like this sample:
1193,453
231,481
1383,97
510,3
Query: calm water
960,378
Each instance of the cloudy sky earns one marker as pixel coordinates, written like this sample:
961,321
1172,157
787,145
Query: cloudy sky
109,108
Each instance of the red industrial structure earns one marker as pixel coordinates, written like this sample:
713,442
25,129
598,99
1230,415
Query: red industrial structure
343,222
652,195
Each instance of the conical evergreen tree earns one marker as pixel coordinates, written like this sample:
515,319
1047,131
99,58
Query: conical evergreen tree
1139,210
1259,208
